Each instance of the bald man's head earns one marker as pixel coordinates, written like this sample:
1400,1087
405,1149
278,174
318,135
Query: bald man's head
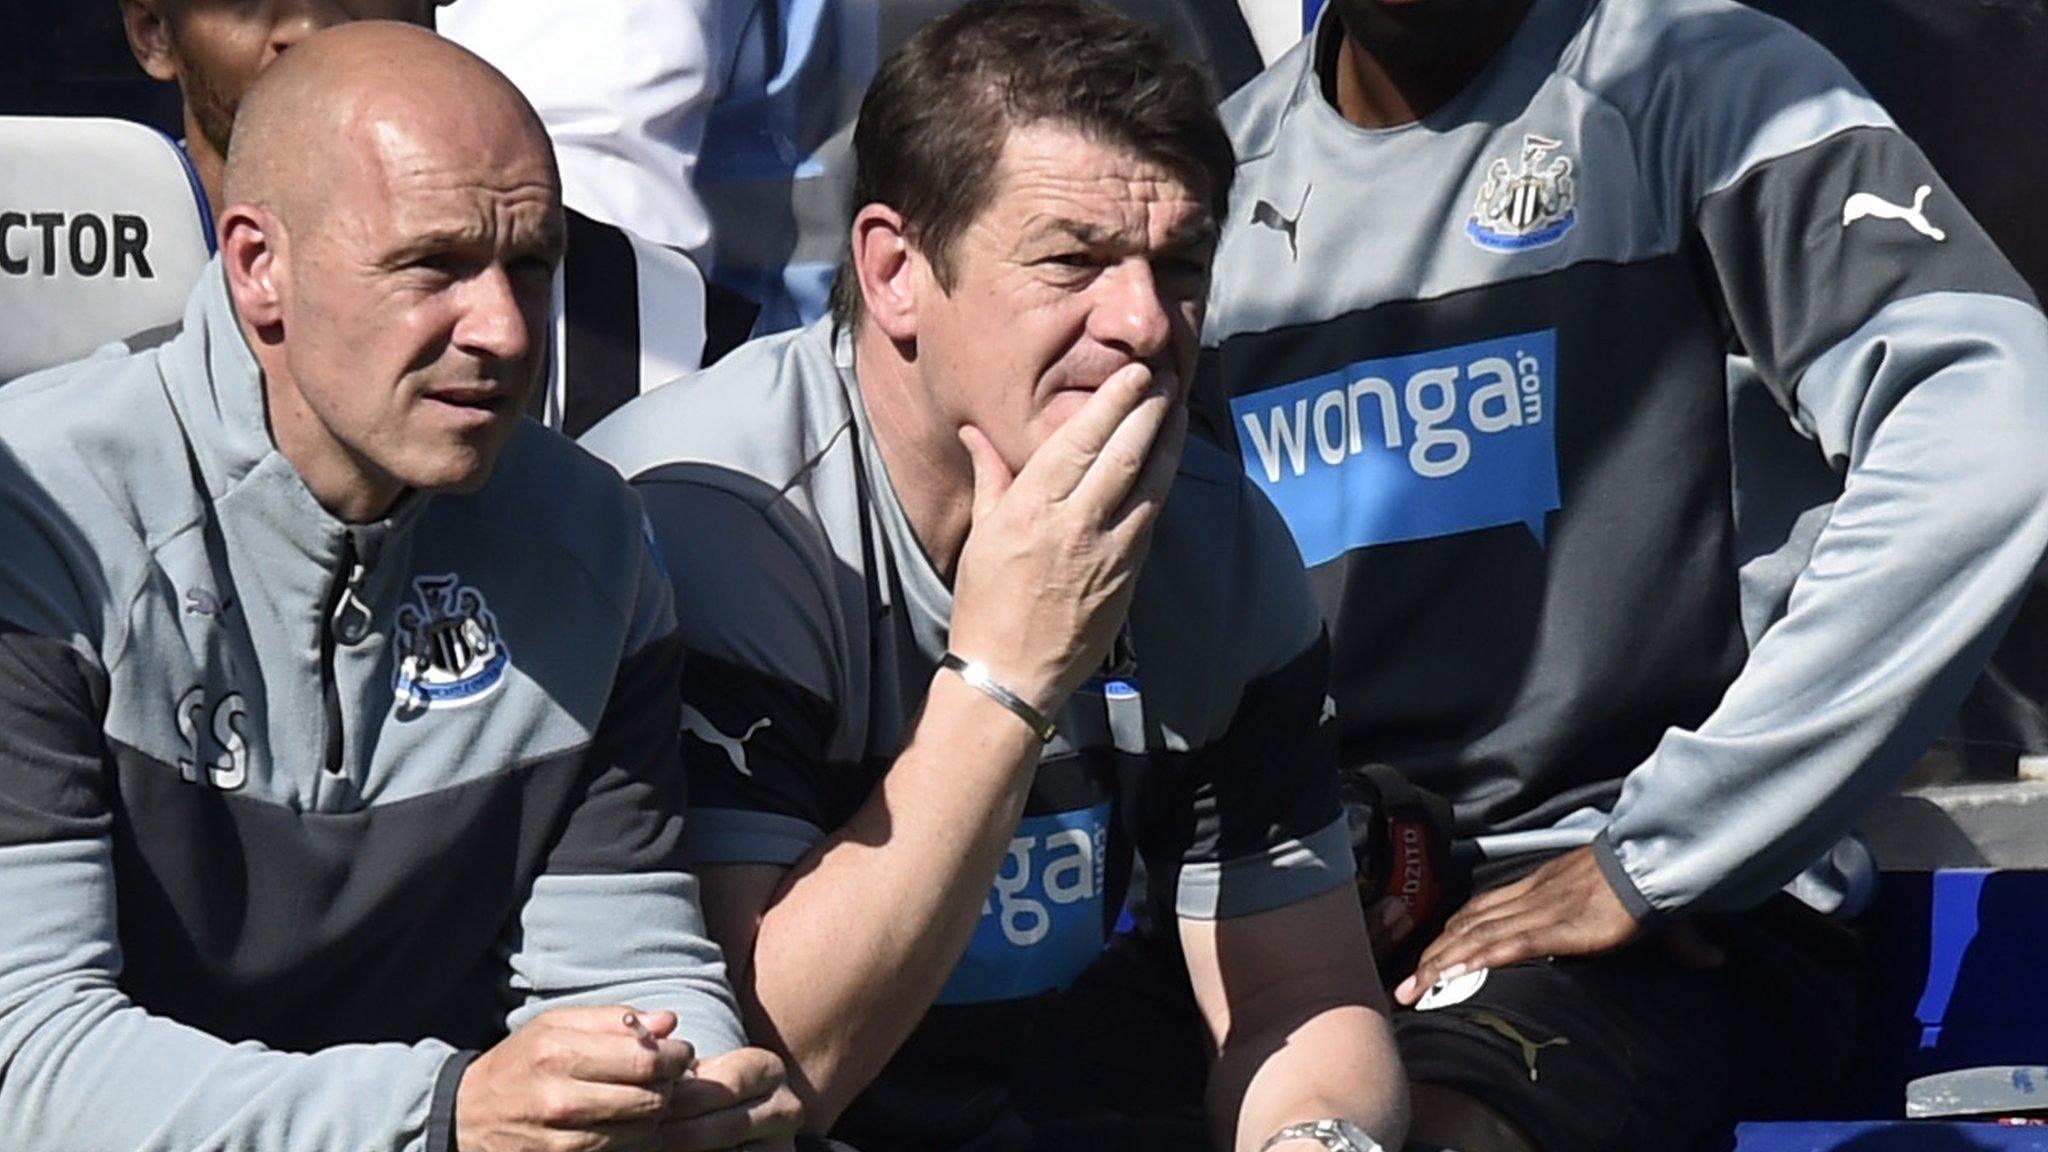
392,226
325,106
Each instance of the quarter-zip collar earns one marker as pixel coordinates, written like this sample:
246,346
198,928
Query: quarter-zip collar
216,387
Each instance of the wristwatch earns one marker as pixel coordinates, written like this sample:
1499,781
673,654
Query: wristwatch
1336,1135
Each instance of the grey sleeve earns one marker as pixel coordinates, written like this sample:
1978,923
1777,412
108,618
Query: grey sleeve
613,917
86,1070
1912,359
760,702
1252,821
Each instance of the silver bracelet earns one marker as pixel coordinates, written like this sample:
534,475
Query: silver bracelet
977,677
1334,1134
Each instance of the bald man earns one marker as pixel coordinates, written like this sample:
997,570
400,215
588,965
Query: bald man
630,314
338,710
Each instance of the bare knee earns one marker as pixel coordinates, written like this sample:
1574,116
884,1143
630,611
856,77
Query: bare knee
1449,1119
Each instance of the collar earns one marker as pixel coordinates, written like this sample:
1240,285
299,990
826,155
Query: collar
215,387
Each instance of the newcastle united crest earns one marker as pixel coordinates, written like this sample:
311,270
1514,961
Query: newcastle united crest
449,650
1525,209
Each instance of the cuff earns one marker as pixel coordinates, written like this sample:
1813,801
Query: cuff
744,836
1624,885
441,1112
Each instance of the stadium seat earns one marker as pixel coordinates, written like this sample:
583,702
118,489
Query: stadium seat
1957,957
103,230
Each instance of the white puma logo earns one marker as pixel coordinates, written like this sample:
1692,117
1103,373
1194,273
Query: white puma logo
695,723
1864,204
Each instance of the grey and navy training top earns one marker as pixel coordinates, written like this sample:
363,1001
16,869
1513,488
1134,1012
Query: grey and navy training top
815,623
297,812
1665,437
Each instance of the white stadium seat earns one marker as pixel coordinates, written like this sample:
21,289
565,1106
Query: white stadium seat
103,231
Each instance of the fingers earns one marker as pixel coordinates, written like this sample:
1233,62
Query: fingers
617,1057
1494,943
992,476
740,1097
727,1081
605,1018
579,1105
1565,908
1076,447
771,1117
1115,474
1141,504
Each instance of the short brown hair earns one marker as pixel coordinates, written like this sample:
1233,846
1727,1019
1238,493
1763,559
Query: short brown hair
936,117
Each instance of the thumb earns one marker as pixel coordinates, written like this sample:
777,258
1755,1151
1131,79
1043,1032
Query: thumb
992,476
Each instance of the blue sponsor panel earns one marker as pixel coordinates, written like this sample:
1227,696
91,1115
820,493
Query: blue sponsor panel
1042,922
1409,447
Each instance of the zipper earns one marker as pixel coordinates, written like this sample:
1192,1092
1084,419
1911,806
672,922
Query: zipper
348,615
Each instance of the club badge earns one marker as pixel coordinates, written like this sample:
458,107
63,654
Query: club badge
1526,209
449,649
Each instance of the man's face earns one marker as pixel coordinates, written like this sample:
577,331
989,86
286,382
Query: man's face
1086,258
417,299
216,48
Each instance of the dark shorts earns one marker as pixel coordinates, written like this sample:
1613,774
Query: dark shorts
1118,1062
1636,1051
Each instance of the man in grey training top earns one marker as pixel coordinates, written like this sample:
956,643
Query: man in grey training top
337,703
1666,441
938,691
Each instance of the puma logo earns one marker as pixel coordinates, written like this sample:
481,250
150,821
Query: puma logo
695,723
1263,212
1864,204
1530,1048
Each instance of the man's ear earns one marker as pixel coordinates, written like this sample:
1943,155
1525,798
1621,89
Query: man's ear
149,38
888,266
252,252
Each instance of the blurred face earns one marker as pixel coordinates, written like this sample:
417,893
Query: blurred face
415,304
215,49
1432,26
1088,257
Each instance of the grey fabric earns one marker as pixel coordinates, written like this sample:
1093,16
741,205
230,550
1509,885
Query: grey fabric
198,824
1938,408
816,623
1728,358
1796,291
1253,884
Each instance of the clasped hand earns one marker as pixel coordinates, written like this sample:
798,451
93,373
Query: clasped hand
589,1080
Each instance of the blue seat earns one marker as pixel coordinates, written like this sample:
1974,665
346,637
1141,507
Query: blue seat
1957,957
1884,1136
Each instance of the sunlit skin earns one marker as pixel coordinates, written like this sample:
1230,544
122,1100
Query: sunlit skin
395,288
1086,259
215,49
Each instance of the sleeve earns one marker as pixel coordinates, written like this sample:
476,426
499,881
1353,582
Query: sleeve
613,917
624,90
1253,823
760,703
1906,349
85,1068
